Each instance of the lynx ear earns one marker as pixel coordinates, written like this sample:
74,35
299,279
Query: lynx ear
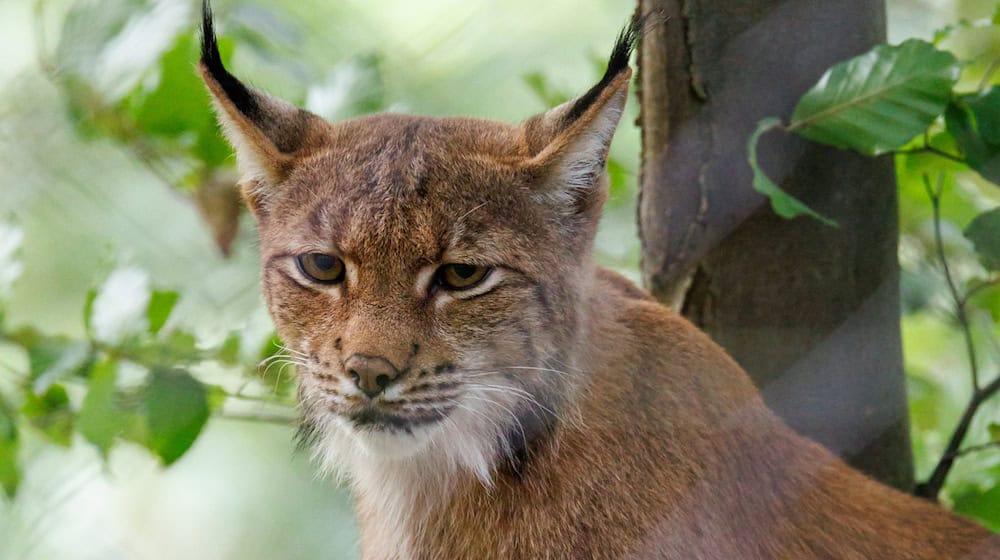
267,133
571,141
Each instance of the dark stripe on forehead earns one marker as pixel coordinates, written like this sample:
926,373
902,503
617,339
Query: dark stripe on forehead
324,224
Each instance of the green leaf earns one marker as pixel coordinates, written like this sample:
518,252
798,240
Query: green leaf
179,103
216,396
984,232
161,304
176,407
539,84
189,119
784,204
979,504
994,430
974,121
10,474
99,420
229,352
49,357
879,101
88,312
177,347
50,412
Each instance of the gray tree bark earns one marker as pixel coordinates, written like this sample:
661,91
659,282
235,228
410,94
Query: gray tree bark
810,311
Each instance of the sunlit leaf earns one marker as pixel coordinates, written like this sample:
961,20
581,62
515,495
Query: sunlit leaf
179,108
176,407
161,304
176,347
619,177
10,475
229,352
984,232
99,420
179,104
783,204
88,311
912,166
879,101
216,396
50,412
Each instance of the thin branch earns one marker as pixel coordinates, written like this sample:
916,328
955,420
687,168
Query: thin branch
980,287
978,448
257,399
258,417
928,149
960,312
932,487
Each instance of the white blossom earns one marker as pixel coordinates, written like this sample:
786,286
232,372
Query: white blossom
11,266
120,307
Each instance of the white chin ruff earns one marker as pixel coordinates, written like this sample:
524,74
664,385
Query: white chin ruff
393,445
466,440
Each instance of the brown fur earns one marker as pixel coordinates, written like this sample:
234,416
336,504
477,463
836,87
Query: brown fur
621,430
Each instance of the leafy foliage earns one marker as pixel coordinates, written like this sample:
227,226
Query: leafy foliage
908,100
783,204
973,120
879,101
984,232
176,409
138,385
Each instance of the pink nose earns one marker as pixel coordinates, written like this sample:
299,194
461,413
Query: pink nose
371,374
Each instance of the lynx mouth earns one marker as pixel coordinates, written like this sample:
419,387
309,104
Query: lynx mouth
377,420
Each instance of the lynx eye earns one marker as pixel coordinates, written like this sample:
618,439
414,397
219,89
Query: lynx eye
461,276
321,268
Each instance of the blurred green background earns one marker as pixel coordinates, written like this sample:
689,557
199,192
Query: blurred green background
91,193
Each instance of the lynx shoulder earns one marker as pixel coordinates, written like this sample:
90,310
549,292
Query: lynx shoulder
489,392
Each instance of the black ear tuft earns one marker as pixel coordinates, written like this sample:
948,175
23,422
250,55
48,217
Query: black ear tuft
628,38
238,94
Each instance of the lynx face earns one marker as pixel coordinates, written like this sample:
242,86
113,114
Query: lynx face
425,273
409,268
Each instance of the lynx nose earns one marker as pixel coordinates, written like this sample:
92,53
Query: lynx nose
371,374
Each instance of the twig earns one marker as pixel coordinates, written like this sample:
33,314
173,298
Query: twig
963,319
978,448
932,487
928,149
980,287
256,399
258,417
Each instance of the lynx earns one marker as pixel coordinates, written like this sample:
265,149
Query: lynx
486,389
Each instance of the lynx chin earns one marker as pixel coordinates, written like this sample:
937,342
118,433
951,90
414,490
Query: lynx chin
486,389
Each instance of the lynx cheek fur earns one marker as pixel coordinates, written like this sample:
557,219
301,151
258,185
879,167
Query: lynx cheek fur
487,390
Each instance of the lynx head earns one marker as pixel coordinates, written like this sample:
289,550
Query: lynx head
429,275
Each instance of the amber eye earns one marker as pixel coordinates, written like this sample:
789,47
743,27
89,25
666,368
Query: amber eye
322,268
461,276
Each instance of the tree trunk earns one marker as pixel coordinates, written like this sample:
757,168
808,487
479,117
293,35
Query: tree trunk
811,311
